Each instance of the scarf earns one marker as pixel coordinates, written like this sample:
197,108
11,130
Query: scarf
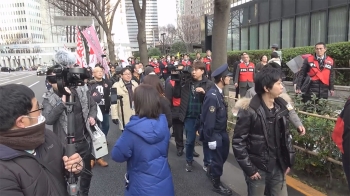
53,99
131,93
25,138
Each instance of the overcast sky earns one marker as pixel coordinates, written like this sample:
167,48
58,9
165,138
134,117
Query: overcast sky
166,12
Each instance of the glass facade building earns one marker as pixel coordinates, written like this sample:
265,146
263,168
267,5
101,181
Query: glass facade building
258,24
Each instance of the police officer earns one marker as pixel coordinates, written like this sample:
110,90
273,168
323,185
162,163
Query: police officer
213,127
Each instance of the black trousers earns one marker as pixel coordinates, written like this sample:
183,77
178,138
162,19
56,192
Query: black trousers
220,154
178,129
83,148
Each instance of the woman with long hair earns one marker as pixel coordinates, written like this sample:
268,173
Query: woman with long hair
144,146
154,81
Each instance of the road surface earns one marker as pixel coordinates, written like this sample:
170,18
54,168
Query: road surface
109,181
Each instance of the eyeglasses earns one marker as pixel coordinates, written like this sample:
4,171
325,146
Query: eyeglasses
127,74
40,107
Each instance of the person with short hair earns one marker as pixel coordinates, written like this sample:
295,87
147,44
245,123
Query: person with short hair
320,70
32,158
125,87
144,146
262,143
244,75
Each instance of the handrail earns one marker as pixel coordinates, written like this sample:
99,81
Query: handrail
317,115
300,148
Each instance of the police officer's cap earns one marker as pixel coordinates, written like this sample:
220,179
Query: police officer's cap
221,71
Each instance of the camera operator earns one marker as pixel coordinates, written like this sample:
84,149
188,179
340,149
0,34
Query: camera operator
192,95
85,112
32,160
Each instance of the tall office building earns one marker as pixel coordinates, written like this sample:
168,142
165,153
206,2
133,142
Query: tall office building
198,7
151,23
180,7
25,22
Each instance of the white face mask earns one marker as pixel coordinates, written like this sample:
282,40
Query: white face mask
155,61
41,119
168,59
140,71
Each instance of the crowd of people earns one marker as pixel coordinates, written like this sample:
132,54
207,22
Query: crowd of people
181,95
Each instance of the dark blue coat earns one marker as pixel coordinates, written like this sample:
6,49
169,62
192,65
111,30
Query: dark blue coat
144,145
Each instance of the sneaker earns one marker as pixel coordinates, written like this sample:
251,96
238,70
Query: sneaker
189,166
205,168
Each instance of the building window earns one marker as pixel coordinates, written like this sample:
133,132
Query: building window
337,25
318,27
244,38
275,32
263,36
301,31
287,33
253,38
229,39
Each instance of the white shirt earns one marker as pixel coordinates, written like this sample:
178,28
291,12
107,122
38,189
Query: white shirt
220,90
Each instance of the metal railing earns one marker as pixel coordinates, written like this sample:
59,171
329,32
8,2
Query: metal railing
295,146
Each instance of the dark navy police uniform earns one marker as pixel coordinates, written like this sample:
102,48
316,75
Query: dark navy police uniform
214,128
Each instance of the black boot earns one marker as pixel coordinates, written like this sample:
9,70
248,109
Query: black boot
208,172
219,188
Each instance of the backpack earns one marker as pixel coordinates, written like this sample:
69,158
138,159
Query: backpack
338,130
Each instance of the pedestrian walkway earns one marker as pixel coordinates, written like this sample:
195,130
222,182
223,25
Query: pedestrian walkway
109,181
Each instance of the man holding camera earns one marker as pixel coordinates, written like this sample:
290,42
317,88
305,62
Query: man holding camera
192,95
85,112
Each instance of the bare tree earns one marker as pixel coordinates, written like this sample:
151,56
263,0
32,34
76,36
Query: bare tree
140,13
102,10
188,30
170,34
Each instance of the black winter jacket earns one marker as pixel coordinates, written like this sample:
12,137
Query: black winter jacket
205,83
22,175
250,139
107,85
316,87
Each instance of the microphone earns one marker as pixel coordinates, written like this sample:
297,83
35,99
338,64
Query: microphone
65,58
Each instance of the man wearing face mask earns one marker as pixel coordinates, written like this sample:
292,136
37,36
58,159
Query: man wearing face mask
164,67
32,159
213,128
137,75
85,112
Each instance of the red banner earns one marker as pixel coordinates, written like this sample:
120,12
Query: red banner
92,39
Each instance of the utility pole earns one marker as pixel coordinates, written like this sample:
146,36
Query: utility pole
163,34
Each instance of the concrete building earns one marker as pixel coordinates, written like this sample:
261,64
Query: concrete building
152,34
289,23
199,7
26,22
180,7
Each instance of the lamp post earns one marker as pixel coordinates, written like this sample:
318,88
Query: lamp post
163,34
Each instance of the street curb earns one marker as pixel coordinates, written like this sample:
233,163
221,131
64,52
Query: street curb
290,181
302,187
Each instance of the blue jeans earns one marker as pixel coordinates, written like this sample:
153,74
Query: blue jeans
104,125
206,152
274,181
190,128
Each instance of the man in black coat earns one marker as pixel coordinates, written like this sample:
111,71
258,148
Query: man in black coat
103,87
262,142
32,159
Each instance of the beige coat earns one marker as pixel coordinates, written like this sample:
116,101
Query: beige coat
116,111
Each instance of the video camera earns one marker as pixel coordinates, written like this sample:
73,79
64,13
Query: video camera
70,77
181,74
